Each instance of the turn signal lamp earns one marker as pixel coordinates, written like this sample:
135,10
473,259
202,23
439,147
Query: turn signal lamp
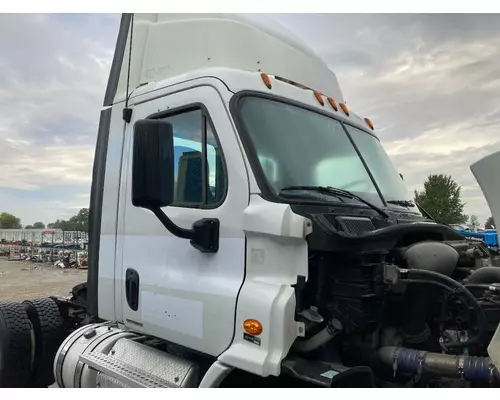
252,327
344,108
319,98
333,103
266,80
369,123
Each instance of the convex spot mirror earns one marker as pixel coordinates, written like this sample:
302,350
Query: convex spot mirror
153,164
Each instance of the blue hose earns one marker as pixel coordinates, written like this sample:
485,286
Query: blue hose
416,361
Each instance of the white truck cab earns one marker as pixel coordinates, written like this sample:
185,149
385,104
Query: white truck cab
229,88
247,228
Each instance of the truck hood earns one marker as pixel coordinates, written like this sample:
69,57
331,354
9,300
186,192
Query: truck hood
486,173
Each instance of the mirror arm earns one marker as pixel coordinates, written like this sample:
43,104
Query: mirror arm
204,236
167,223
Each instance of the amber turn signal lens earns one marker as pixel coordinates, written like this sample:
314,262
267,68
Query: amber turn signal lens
369,123
266,80
333,103
344,108
319,98
253,327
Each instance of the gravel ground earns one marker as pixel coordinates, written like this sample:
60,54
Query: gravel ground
23,280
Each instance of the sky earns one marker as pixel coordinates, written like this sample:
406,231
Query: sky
430,83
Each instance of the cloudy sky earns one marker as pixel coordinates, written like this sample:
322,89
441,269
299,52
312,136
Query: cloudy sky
430,83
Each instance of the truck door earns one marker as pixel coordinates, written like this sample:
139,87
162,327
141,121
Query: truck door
168,288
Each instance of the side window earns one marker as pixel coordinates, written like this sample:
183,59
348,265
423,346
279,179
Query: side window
199,172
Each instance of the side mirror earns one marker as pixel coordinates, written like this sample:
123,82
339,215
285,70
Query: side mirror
153,182
153,164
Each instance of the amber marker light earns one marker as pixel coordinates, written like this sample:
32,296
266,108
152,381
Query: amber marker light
333,103
344,108
252,327
266,80
319,98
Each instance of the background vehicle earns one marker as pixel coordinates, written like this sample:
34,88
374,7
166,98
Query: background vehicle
248,229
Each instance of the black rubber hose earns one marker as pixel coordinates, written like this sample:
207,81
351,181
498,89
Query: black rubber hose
460,291
416,304
478,286
427,281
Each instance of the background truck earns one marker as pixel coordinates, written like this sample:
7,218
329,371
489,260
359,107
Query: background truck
248,229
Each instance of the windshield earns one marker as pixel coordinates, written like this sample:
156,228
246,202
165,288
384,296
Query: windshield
378,162
298,147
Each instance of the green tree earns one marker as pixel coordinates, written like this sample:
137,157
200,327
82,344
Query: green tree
490,223
441,198
9,221
54,225
28,227
39,225
81,220
474,222
78,222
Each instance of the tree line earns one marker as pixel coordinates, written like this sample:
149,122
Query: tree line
78,222
441,199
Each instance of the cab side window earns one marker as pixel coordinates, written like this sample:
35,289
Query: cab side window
200,178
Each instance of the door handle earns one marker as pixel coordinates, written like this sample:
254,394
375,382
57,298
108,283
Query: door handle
132,288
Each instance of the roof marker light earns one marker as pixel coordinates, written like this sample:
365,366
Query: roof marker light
266,80
369,123
333,103
319,98
344,108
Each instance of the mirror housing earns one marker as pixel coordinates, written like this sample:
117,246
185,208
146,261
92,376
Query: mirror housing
153,182
153,164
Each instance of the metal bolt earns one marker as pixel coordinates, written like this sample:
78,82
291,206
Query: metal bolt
176,379
112,352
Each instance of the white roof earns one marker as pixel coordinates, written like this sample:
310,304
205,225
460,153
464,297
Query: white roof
169,45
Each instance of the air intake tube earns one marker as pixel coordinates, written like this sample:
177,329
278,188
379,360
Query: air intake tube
451,366
430,256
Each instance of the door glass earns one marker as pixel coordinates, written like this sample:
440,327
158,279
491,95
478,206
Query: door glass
189,161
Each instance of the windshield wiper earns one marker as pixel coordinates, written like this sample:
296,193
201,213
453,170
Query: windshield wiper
338,192
423,211
403,203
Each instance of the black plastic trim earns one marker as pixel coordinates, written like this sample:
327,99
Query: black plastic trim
235,328
95,211
138,98
185,109
116,66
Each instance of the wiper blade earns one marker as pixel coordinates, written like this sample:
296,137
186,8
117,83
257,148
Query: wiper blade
340,193
423,211
403,203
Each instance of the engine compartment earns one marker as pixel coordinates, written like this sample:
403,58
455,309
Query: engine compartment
414,303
